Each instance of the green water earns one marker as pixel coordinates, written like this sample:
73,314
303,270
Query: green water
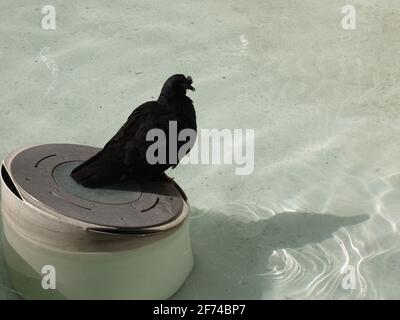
323,102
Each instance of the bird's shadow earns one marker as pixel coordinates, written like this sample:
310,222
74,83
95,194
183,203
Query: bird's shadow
230,251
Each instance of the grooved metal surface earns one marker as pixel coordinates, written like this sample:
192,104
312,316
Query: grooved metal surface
43,172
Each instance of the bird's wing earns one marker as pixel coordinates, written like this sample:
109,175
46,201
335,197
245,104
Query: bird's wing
186,120
127,148
139,124
134,120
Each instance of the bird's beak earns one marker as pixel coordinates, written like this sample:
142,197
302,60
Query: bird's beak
189,83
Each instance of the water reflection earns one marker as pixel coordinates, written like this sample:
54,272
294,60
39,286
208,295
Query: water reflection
245,253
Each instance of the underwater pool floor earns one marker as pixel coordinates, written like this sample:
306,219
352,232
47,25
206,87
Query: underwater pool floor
319,216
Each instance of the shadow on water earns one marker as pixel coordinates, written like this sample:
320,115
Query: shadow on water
230,251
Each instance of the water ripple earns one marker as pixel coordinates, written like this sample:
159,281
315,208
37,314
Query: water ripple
287,255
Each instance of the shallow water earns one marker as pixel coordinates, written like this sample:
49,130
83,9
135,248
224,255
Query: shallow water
323,101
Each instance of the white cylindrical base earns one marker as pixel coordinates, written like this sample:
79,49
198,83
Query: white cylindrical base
87,265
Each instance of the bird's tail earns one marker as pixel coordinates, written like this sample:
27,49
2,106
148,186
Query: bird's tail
95,172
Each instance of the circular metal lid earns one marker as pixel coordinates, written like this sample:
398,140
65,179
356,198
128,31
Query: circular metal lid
42,172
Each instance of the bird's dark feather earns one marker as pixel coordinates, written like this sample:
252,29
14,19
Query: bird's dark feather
124,155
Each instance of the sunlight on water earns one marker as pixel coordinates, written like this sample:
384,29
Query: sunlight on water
245,251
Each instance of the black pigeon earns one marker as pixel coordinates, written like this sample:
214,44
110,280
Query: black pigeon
124,156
